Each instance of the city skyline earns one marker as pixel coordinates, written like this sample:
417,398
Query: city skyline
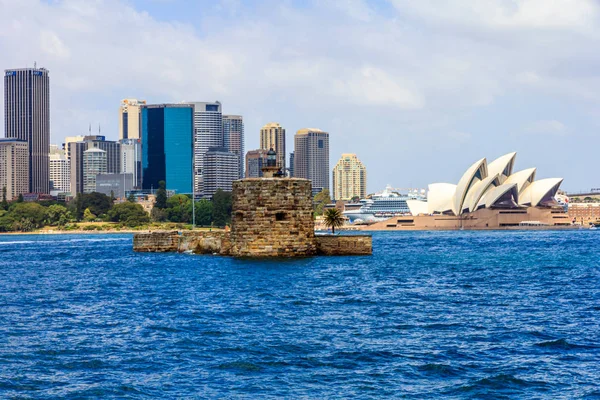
418,83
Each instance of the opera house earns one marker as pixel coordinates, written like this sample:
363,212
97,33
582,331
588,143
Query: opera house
488,195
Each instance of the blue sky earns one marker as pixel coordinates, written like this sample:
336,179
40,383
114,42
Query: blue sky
419,90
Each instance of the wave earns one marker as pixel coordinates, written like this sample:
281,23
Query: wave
54,241
562,344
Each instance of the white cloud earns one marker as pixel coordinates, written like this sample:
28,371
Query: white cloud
546,127
406,75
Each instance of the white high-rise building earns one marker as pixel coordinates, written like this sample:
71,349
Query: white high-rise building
220,170
94,163
349,178
131,160
208,132
60,173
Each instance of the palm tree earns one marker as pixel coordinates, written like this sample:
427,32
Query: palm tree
333,218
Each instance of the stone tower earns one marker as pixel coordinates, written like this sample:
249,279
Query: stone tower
272,217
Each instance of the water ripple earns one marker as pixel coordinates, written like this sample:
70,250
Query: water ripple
430,314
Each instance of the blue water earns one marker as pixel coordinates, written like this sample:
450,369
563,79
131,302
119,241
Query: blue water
430,314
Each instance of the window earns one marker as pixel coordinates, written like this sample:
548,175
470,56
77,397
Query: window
320,144
280,216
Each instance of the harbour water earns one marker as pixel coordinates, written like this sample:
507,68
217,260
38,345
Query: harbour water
507,314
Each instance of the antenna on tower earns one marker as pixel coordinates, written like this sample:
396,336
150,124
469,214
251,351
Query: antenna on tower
90,128
98,128
35,65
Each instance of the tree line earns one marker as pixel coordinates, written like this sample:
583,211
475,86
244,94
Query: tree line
98,207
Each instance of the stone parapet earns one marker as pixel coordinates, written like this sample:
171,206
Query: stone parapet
157,241
199,242
344,245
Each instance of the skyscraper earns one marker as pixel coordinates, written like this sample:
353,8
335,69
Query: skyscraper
94,163
311,157
273,135
349,178
221,168
14,167
129,118
233,138
76,150
255,160
27,117
208,132
291,169
59,171
168,146
131,160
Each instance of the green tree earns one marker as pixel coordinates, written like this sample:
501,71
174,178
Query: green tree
161,196
204,209
88,215
355,199
158,214
28,216
98,203
6,221
131,197
320,200
77,210
131,214
57,215
4,204
333,218
179,208
112,196
20,198
221,208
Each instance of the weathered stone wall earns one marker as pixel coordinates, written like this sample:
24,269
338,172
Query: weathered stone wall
344,245
199,242
272,217
157,241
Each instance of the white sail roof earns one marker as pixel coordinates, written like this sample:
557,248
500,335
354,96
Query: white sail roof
475,173
502,166
540,193
489,185
522,178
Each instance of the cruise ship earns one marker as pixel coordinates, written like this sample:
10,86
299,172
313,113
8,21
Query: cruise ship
382,206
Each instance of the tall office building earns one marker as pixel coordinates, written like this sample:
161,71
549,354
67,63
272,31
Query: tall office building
273,135
221,168
311,157
14,167
255,160
168,146
94,163
233,138
208,132
71,139
76,150
60,173
349,178
27,117
129,118
131,160
291,168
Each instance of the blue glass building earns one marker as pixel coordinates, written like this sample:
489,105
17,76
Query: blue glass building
167,146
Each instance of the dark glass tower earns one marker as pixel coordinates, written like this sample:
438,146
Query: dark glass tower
27,117
168,146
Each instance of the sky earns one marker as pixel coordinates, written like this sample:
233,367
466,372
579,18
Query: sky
419,90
